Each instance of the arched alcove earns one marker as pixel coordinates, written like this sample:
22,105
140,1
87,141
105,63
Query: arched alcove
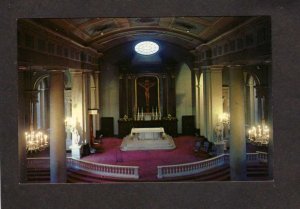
40,108
253,104
183,91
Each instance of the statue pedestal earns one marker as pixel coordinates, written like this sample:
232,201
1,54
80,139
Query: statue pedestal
226,144
220,148
76,151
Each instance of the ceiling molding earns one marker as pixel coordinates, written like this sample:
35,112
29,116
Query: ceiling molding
228,33
144,28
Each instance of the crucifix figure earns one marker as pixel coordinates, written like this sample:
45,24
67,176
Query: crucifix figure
147,85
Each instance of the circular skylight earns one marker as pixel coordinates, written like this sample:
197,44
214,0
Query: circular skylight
146,48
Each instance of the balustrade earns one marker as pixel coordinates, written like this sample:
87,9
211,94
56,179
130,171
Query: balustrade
128,172
257,157
41,162
198,167
252,157
104,169
262,156
190,168
132,172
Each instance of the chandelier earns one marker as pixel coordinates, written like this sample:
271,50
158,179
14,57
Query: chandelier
36,141
259,135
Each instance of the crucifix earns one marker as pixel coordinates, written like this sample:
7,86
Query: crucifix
147,85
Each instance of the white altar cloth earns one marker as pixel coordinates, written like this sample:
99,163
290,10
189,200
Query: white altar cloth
147,139
147,133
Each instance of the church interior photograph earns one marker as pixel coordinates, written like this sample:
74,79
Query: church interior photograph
145,99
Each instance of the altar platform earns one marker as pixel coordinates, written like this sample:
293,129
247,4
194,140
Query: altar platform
147,139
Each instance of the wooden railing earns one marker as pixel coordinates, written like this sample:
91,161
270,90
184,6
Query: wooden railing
191,168
128,172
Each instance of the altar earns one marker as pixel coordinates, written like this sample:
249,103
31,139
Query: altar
147,139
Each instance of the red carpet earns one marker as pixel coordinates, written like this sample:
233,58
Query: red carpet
146,160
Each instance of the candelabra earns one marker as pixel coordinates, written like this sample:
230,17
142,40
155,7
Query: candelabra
36,141
259,135
155,115
139,115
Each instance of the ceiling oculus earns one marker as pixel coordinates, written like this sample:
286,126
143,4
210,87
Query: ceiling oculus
146,48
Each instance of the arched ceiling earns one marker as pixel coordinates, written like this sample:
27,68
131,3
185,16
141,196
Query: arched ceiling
103,34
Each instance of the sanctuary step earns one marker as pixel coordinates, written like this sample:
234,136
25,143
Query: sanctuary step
41,175
80,176
257,172
221,173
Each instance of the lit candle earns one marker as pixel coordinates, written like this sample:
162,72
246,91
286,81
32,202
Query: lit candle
46,142
259,131
26,136
142,113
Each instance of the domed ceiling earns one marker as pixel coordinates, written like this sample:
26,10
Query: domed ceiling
105,33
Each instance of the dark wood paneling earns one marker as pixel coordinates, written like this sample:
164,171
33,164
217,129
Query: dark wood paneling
165,95
107,126
124,128
122,96
188,125
170,127
130,95
172,95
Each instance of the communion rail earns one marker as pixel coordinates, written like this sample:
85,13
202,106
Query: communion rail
39,162
187,169
257,157
132,172
128,172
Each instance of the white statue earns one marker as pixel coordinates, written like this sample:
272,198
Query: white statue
75,137
219,132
